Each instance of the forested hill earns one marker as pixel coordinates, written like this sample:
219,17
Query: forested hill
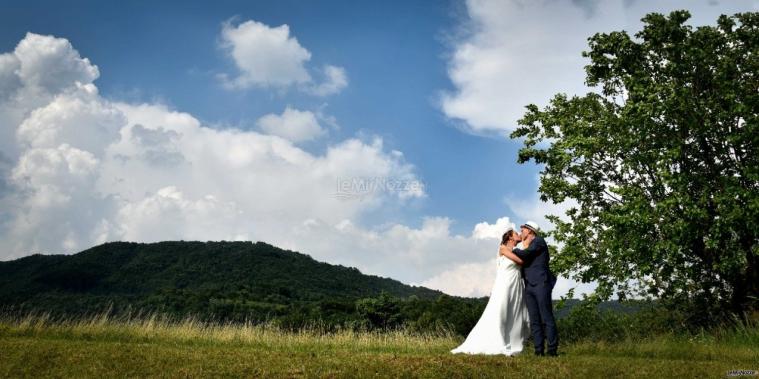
180,276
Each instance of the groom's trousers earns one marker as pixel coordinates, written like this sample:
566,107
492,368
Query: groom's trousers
540,309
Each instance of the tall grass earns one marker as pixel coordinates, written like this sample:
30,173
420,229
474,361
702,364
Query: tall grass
136,327
587,327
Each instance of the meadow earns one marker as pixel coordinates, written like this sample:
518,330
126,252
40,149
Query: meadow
102,346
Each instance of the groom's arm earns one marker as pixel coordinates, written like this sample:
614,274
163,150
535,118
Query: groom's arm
509,253
531,251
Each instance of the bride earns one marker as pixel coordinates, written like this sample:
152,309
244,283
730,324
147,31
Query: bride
503,326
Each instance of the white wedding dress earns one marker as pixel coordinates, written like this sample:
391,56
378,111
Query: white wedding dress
504,324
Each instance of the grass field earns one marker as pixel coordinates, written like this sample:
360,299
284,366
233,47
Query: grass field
97,347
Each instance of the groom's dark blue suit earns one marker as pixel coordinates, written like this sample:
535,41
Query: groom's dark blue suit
539,282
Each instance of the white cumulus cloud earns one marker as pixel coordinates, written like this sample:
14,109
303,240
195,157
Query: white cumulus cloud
293,125
268,56
335,79
484,230
51,63
265,56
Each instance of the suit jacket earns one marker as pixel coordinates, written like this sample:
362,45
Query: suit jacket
535,268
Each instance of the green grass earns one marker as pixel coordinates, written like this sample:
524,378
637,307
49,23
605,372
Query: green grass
35,346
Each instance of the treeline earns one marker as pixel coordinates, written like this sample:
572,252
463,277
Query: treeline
578,320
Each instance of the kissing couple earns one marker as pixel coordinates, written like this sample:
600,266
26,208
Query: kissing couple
520,299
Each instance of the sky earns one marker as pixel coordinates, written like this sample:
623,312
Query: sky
367,134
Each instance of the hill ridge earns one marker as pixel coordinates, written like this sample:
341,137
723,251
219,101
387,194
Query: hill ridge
179,276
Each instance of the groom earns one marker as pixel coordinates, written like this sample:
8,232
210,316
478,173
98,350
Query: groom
539,282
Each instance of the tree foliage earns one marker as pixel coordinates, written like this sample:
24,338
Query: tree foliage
661,163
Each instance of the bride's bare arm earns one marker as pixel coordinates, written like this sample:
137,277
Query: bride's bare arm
506,252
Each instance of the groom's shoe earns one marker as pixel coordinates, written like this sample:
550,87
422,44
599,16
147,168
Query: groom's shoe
553,353
539,353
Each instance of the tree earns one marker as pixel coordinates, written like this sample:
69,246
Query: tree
383,312
662,163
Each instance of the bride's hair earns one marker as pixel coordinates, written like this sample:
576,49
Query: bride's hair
506,237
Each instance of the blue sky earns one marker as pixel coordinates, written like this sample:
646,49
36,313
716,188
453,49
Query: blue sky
430,92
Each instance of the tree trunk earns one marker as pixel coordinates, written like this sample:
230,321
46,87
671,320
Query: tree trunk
746,291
